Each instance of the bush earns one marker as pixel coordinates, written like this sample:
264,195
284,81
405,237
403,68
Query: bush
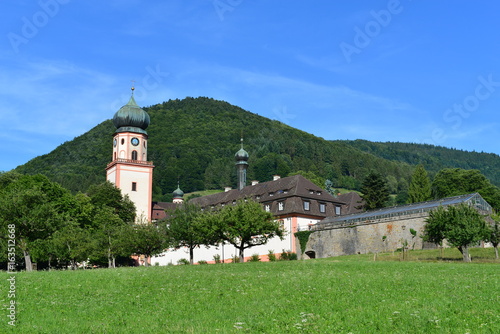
235,259
288,256
202,262
271,256
217,258
183,261
254,258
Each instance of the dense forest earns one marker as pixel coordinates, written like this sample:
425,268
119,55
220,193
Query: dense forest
434,158
194,140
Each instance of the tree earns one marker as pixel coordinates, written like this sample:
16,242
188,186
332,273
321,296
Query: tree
106,194
456,181
36,206
420,186
246,225
72,243
374,191
148,240
461,226
494,233
190,227
112,235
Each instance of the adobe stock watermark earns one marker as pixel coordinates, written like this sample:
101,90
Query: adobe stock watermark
11,269
149,82
31,25
282,114
373,28
223,6
456,115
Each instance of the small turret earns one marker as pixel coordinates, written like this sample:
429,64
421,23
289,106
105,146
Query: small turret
241,158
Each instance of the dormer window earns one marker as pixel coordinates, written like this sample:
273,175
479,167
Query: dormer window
257,197
318,193
307,205
337,210
322,207
285,191
267,207
311,191
281,206
271,194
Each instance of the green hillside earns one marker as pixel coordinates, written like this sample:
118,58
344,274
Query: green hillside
433,157
195,139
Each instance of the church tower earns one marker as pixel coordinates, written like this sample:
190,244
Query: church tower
241,158
130,169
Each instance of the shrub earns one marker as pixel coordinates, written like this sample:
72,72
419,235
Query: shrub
202,262
183,261
288,256
254,258
235,259
271,255
217,258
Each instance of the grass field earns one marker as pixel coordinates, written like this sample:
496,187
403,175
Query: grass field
351,294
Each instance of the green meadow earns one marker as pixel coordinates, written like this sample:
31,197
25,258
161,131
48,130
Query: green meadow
352,294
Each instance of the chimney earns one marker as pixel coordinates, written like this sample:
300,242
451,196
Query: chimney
255,182
226,189
276,177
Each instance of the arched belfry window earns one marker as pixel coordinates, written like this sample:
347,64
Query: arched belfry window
134,155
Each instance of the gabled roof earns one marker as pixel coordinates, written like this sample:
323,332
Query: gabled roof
397,211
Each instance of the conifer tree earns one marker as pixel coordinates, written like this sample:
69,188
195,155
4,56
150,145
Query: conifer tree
420,186
375,191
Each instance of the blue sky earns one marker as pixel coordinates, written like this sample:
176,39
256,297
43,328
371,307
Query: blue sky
411,71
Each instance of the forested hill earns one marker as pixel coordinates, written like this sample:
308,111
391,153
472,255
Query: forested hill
434,158
194,141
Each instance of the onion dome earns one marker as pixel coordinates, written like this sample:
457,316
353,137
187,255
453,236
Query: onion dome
131,118
241,156
178,193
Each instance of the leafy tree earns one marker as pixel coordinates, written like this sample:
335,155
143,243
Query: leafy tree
374,191
494,233
148,240
246,225
36,206
461,226
111,237
107,194
420,186
189,226
72,243
456,181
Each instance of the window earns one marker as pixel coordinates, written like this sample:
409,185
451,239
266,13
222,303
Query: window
134,155
257,197
282,224
306,205
134,186
311,191
322,207
271,194
281,206
267,207
123,141
337,210
318,192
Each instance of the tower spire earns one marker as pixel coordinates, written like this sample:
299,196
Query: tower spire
241,158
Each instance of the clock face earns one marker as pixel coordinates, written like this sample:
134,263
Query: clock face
114,142
135,141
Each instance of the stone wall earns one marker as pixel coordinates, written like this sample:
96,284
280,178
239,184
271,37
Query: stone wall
368,237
